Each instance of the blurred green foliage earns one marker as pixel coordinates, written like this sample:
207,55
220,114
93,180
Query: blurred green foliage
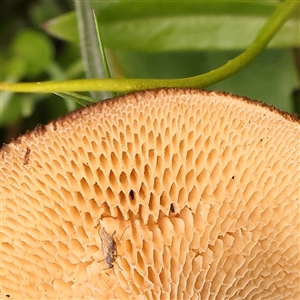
180,26
143,39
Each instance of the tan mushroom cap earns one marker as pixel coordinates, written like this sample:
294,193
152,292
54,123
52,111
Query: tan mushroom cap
207,184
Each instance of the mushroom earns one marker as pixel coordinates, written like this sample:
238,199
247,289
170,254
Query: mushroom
207,184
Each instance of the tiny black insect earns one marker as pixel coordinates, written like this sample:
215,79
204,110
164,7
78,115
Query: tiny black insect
131,194
172,209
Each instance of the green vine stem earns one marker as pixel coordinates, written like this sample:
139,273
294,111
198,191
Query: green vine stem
276,20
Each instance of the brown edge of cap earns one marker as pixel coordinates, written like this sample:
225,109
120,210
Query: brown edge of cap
41,129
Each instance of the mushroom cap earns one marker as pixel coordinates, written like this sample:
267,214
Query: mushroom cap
207,184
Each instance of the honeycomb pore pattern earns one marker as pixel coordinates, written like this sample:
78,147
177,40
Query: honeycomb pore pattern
202,189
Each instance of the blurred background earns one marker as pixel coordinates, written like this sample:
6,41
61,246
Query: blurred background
142,39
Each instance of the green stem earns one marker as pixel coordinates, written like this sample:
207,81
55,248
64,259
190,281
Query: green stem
276,20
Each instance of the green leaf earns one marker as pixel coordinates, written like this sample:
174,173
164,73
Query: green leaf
34,49
63,27
12,68
10,109
296,101
42,10
27,106
17,106
101,48
77,98
182,25
90,52
103,54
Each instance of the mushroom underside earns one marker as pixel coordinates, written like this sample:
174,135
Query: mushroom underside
198,191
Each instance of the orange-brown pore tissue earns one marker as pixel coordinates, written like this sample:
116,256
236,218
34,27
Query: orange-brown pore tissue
205,185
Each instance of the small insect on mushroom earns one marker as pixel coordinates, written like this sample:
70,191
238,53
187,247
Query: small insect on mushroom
26,157
109,248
